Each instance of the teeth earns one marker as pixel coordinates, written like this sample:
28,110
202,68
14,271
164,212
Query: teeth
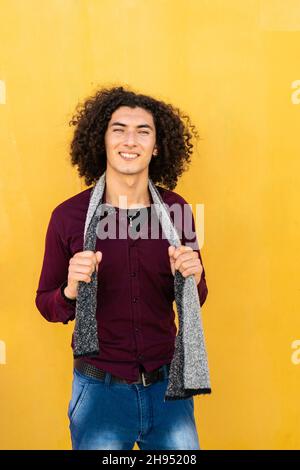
129,155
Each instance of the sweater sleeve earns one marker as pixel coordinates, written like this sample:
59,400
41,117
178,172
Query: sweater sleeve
50,299
189,238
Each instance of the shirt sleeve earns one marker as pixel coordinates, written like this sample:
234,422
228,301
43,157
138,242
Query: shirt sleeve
189,238
50,299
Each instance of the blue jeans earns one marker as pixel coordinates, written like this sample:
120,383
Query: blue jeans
109,415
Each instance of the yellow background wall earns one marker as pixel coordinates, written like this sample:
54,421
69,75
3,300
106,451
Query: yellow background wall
233,67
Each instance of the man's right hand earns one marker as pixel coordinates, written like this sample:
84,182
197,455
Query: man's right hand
81,267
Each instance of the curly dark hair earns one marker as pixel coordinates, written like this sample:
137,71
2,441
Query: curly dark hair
173,135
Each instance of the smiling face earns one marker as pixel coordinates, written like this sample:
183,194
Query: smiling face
130,140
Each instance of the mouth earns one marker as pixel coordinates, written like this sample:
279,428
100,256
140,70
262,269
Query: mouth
128,156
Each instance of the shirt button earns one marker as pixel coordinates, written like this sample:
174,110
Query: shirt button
141,356
135,299
133,274
137,329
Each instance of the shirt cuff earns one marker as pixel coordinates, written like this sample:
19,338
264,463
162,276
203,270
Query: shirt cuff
66,306
64,297
202,290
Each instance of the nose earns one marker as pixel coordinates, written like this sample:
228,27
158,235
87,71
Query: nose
130,138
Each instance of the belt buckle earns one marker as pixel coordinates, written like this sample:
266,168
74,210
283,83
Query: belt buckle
143,380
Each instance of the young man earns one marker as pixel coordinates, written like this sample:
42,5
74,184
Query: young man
118,396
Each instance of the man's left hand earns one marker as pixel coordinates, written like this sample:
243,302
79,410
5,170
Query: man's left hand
185,260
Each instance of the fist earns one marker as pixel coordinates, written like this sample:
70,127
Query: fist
81,267
185,260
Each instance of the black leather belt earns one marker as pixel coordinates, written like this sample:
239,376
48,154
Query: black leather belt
146,378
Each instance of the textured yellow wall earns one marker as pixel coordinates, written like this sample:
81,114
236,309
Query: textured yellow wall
233,66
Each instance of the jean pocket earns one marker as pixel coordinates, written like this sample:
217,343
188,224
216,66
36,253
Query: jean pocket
79,389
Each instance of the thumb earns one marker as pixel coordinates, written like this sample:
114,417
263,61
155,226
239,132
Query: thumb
98,257
171,250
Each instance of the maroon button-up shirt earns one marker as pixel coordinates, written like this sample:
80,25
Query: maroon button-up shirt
135,294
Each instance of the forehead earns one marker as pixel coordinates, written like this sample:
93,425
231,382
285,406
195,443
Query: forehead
131,115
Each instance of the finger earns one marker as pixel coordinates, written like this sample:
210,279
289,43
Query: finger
80,269
190,270
188,255
181,249
87,258
187,265
98,256
185,257
85,265
81,261
171,250
85,254
81,277
98,259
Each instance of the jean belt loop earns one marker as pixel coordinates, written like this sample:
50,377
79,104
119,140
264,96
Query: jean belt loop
165,369
107,379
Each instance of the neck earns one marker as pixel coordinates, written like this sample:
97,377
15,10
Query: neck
127,191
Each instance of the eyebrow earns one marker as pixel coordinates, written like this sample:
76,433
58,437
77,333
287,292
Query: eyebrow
116,123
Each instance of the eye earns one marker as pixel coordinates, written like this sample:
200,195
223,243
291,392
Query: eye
121,130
